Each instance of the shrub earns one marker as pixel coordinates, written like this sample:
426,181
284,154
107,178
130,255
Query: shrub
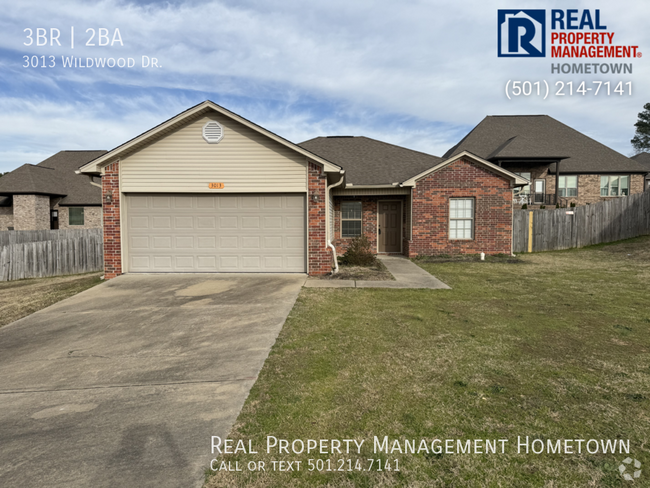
524,206
542,207
557,205
573,204
359,253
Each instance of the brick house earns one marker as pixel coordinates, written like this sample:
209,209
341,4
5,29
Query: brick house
563,165
209,191
50,195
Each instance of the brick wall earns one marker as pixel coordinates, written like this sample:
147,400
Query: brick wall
6,218
111,212
319,256
31,212
92,218
492,216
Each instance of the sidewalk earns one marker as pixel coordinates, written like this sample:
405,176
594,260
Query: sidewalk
407,275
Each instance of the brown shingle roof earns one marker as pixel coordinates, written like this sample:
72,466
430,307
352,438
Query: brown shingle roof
369,161
644,159
55,176
512,137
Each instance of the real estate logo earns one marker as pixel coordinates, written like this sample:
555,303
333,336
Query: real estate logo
522,33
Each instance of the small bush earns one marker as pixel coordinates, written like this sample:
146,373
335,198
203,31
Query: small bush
557,205
359,253
573,204
542,207
524,206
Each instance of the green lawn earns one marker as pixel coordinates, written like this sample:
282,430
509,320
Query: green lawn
552,346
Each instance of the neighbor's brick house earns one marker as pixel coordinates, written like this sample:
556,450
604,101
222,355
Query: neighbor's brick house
563,165
209,191
50,195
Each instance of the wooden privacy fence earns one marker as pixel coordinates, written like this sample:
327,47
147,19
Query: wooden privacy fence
36,254
565,228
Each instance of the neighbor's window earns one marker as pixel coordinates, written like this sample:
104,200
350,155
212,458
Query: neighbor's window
461,218
614,186
568,186
350,219
76,216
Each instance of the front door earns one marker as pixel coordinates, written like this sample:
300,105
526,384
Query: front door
390,226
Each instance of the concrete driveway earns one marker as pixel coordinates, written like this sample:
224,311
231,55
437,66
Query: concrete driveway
125,383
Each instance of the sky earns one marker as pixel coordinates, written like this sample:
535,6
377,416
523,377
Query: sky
420,74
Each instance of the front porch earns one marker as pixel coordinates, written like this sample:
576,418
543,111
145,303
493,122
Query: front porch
382,218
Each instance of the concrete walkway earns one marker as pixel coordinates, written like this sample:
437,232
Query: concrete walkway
407,275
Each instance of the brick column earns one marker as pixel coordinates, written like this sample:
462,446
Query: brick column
111,212
319,255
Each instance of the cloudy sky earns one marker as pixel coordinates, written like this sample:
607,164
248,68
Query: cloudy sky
419,73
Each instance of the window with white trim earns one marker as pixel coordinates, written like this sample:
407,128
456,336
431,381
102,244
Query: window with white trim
614,186
351,219
461,218
568,186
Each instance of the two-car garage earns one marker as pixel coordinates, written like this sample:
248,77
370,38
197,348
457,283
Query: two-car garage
209,191
215,233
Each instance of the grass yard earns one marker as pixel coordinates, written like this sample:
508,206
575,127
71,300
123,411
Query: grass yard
24,297
551,346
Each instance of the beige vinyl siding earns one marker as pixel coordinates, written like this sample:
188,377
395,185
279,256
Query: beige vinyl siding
245,161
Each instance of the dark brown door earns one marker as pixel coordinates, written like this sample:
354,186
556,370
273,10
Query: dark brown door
390,226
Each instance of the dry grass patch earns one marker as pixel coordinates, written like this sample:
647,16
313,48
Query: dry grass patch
557,347
24,297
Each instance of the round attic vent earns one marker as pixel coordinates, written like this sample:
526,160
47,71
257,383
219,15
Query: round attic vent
212,132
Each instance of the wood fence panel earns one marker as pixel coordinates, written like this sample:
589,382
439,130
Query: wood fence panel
37,254
608,221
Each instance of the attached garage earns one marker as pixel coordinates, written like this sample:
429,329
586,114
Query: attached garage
209,191
216,233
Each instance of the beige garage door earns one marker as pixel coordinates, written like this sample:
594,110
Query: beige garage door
210,233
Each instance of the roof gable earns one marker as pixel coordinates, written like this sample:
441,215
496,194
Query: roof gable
516,179
182,119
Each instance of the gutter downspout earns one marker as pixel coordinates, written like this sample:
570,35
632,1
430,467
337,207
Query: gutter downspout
329,242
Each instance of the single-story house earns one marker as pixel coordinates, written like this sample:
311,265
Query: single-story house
563,165
644,159
209,191
51,195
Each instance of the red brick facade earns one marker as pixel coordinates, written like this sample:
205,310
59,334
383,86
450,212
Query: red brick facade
492,195
111,211
319,256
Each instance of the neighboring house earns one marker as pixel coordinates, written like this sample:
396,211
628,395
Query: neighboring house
562,164
644,159
50,195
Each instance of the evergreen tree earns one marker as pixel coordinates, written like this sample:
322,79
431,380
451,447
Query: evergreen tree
641,140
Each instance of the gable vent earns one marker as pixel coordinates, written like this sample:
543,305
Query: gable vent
212,132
